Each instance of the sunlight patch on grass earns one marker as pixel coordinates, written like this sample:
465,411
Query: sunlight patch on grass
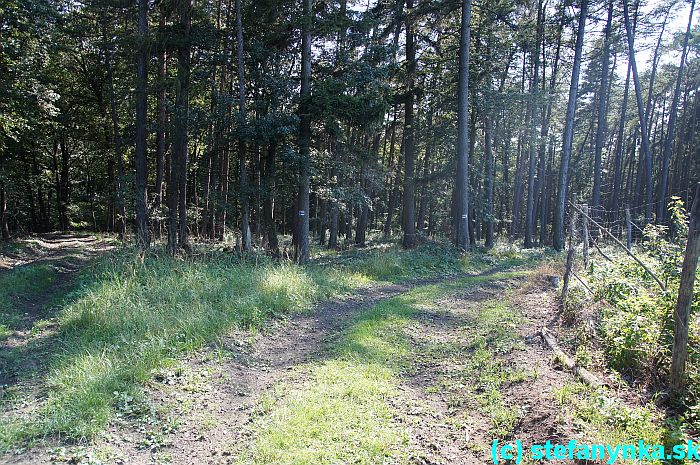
343,412
129,318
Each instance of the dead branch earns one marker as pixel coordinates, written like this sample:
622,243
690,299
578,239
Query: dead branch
585,375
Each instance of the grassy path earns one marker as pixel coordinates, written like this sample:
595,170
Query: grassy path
420,373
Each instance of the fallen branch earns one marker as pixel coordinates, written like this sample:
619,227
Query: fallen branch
585,375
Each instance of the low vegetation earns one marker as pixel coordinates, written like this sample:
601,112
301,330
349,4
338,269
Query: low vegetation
128,317
635,331
16,286
346,409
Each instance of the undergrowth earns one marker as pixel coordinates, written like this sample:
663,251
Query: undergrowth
636,315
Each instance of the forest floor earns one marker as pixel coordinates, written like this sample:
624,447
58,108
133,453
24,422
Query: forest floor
426,371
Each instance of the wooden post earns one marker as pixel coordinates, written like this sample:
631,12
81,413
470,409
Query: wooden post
585,234
628,221
617,241
569,256
685,298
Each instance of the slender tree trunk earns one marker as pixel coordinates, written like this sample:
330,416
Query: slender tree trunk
161,139
4,228
177,202
685,297
614,205
269,200
670,133
304,142
140,158
488,153
601,128
462,181
409,189
243,172
558,228
646,149
532,162
120,206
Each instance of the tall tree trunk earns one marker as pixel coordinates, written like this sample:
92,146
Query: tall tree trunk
409,186
462,181
614,205
304,141
646,149
269,200
670,133
120,203
4,228
685,297
177,202
142,232
532,162
488,153
393,186
161,139
243,172
558,228
601,128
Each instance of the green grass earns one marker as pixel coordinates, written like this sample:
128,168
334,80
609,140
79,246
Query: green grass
16,286
601,417
480,355
129,318
343,412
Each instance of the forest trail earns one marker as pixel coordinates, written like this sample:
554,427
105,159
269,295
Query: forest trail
475,370
42,270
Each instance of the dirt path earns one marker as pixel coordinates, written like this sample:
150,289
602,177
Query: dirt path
223,392
63,255
201,412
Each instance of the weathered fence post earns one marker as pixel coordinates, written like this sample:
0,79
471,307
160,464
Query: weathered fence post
628,221
569,256
685,298
585,234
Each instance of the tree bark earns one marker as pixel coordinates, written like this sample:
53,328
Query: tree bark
558,228
532,162
243,172
4,228
462,181
601,128
409,186
177,185
269,200
685,298
670,132
142,231
120,203
646,149
304,141
488,153
161,139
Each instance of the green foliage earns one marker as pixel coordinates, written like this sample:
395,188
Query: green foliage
637,327
576,300
603,418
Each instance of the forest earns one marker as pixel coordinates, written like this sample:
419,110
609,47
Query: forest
282,231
